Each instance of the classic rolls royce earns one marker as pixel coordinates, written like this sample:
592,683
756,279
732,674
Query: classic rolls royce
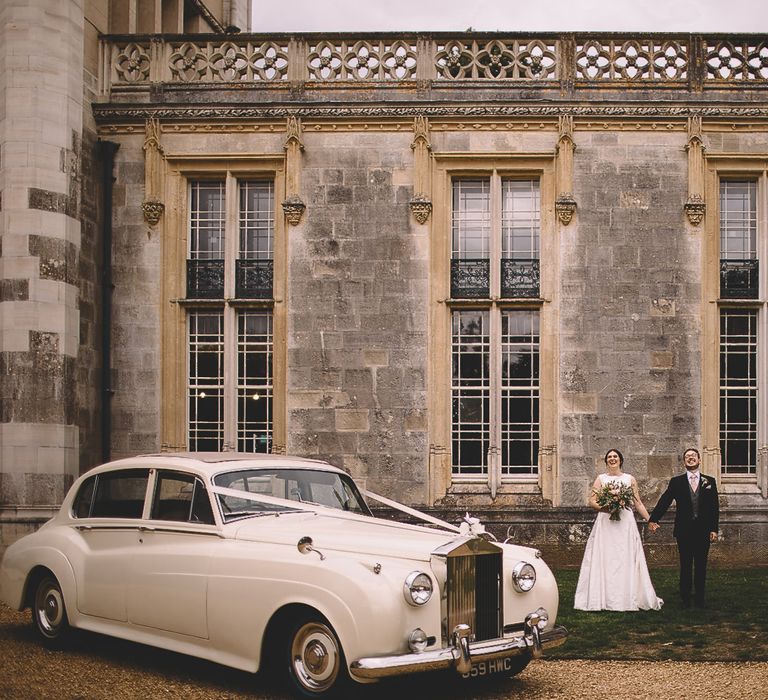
278,562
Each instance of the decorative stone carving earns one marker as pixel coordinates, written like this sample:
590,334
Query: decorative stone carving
294,207
565,206
695,208
565,129
421,132
152,135
421,207
153,206
153,210
293,133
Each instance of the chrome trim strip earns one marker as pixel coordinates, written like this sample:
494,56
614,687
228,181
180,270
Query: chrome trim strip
436,659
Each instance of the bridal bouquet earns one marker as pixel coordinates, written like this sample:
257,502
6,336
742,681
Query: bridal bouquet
615,496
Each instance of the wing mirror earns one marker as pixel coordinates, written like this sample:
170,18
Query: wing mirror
305,547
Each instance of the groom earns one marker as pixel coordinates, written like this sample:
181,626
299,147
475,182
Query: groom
696,522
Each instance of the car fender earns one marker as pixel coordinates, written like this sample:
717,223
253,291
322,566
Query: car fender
18,564
365,606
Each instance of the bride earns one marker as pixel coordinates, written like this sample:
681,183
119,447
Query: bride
614,574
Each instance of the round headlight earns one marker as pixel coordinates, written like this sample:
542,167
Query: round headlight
417,588
523,577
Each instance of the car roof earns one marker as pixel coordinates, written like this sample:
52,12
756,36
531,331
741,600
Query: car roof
211,463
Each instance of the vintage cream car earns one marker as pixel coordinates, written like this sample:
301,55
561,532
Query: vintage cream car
262,560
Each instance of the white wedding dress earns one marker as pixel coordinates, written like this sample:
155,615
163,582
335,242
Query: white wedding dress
614,574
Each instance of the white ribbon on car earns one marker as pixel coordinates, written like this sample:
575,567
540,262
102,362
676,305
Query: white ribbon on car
471,526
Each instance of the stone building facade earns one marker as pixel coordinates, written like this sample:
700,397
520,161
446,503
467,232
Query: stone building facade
461,267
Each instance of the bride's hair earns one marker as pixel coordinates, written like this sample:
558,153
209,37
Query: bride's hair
621,456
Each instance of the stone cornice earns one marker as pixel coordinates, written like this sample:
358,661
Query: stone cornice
113,113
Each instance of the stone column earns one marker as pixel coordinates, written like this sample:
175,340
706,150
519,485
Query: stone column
41,84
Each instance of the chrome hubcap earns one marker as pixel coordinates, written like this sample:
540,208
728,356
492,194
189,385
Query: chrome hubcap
50,609
315,656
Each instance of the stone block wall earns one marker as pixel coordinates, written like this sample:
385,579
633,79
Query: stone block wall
358,284
630,318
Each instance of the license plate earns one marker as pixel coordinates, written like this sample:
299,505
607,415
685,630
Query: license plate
489,668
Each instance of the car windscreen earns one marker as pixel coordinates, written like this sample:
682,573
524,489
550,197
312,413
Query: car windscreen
328,489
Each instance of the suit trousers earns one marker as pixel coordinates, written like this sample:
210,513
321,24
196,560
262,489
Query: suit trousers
693,548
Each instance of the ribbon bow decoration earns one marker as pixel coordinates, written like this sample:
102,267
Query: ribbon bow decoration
471,526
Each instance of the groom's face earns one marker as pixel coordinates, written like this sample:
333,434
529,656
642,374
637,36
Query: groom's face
691,459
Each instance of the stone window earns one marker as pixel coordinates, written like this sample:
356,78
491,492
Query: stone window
734,362
495,408
738,391
742,329
230,344
495,349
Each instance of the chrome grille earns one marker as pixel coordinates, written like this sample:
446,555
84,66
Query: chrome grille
474,593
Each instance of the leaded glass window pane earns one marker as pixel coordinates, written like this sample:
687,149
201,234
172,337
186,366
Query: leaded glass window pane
206,223
738,391
257,220
471,219
206,382
519,392
470,392
520,219
254,381
738,219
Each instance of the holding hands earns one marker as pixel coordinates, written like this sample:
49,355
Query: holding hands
653,526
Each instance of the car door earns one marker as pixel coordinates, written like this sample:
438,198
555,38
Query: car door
107,515
168,580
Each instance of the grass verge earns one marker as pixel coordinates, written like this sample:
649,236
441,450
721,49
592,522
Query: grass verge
733,626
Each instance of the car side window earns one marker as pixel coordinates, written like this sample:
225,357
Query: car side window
81,506
119,494
181,498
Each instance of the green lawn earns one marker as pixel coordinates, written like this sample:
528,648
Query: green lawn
733,627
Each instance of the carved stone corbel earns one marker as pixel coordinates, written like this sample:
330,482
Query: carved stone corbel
421,208
153,211
293,208
565,207
695,208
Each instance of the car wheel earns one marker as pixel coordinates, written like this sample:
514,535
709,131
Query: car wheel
316,665
49,613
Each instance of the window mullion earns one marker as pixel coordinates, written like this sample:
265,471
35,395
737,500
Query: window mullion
762,336
232,233
495,234
494,450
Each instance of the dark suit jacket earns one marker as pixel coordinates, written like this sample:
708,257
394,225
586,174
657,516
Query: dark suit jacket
679,492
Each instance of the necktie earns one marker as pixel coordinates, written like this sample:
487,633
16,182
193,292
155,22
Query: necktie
694,481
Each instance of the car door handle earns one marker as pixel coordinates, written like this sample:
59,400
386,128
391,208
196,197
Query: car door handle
145,528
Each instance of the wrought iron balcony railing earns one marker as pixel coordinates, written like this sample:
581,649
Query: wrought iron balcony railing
205,279
470,279
253,279
739,279
520,278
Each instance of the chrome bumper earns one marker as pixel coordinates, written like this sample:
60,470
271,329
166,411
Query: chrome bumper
460,653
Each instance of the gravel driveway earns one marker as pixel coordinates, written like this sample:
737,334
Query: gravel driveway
101,668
